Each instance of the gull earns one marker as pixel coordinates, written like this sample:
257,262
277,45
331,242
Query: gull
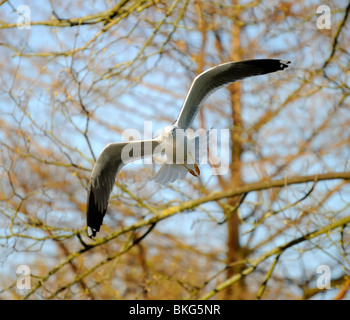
170,141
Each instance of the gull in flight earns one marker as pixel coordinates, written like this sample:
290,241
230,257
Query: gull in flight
172,138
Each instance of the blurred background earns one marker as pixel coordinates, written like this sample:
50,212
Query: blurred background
76,74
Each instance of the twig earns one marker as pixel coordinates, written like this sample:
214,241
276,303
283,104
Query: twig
268,276
166,213
276,251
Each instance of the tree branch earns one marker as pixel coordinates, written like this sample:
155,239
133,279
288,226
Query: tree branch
276,251
187,205
336,38
104,16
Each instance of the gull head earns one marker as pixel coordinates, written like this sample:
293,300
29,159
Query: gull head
176,144
169,131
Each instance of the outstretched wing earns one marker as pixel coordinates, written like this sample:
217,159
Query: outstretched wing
216,77
113,157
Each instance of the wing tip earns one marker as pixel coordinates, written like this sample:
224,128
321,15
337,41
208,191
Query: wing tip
284,64
94,215
91,232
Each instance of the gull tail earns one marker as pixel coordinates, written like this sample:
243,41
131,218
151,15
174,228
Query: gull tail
170,173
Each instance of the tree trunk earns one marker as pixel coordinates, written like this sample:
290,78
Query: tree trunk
233,244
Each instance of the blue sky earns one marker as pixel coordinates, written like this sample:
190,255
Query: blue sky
144,103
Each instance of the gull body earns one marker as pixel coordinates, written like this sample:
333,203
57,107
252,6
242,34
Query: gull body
181,150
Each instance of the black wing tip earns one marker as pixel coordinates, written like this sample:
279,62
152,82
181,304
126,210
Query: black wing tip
91,232
263,66
284,64
94,216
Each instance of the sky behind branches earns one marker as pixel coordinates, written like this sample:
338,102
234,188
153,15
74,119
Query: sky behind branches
122,83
